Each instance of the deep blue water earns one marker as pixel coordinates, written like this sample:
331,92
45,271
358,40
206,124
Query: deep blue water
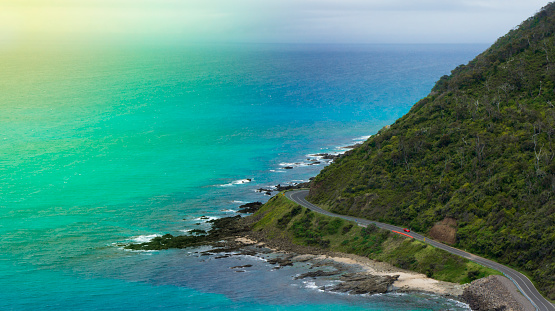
106,146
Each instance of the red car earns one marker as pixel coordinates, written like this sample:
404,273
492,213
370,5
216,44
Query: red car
406,230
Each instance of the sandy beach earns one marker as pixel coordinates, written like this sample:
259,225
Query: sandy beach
407,281
492,292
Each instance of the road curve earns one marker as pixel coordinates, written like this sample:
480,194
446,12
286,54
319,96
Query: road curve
522,282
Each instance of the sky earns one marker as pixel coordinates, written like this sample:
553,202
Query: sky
262,21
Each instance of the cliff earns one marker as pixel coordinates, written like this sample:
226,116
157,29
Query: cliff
473,162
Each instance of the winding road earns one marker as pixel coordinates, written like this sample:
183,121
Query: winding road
522,282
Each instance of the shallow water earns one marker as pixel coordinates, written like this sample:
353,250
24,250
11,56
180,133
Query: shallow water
106,146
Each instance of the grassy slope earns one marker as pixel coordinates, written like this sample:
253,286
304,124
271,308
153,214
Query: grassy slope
480,148
283,219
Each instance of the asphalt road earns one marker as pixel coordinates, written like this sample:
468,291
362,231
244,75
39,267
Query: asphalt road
522,282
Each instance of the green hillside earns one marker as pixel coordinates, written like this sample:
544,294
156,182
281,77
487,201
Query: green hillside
480,149
284,220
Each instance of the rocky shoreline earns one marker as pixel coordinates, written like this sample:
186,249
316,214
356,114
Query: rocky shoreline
352,274
232,236
359,275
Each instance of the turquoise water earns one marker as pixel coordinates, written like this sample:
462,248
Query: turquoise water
105,146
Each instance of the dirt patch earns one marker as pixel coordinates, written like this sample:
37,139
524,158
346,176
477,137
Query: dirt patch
445,231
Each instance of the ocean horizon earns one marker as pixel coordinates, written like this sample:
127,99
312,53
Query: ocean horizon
109,146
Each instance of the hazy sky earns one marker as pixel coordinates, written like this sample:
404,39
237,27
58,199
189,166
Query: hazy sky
274,21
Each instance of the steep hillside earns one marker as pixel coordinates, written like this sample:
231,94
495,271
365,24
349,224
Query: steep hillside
478,152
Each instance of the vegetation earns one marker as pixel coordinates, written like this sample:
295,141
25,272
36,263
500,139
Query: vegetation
479,148
283,219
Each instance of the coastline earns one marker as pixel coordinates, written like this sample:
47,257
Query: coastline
360,275
494,292
235,237
405,281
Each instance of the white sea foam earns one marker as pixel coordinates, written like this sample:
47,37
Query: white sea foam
277,171
265,188
238,202
340,149
296,164
186,230
285,164
461,304
140,250
314,156
144,238
312,285
251,257
205,218
237,182
288,164
228,211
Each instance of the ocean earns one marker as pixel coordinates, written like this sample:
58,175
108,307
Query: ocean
105,146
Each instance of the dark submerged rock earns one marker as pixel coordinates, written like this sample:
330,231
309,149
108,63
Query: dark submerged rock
327,156
240,267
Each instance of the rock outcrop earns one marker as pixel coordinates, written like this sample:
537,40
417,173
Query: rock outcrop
491,294
364,283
